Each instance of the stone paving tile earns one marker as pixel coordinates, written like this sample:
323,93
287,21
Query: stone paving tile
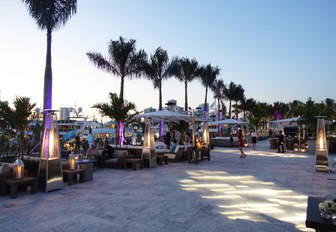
265,192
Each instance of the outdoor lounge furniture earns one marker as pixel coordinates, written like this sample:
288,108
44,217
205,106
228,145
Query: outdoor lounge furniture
176,155
134,163
223,142
313,217
117,160
14,183
71,175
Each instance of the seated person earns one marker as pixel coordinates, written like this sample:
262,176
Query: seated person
92,152
107,151
174,145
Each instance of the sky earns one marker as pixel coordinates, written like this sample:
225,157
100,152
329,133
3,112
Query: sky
277,50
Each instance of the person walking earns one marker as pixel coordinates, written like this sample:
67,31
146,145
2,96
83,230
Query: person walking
254,139
241,143
281,140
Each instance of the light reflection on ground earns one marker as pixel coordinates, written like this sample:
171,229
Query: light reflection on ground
245,197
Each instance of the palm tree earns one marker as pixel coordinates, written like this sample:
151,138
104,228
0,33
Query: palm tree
119,110
229,94
238,96
23,109
159,68
123,60
208,75
217,87
246,106
50,15
188,70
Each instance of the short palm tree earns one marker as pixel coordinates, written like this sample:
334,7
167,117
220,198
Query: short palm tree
208,75
23,109
119,110
188,70
50,15
123,60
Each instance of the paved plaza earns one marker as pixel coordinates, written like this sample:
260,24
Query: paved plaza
266,192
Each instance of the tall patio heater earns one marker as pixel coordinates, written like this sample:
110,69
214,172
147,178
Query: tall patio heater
321,151
50,175
148,150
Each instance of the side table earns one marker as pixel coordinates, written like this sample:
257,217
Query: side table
161,158
14,183
134,163
70,175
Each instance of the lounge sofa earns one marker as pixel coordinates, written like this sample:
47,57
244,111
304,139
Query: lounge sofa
117,160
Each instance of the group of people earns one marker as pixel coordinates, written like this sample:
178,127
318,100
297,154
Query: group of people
281,141
171,141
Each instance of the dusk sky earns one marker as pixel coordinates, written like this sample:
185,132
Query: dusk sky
277,50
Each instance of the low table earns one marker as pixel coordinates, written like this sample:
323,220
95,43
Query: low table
70,174
134,163
161,158
14,183
313,218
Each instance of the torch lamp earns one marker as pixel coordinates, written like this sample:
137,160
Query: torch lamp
18,169
72,161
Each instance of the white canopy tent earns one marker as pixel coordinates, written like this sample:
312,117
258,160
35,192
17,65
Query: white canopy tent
165,115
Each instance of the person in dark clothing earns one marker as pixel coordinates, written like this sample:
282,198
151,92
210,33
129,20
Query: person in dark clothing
77,143
169,137
107,151
281,141
106,154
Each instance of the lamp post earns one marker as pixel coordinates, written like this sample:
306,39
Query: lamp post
50,175
321,151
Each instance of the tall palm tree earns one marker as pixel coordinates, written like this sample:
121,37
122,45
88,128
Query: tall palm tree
238,96
123,60
208,75
159,68
229,93
119,110
50,15
217,87
188,70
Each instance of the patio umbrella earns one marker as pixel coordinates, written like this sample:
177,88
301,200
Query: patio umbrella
165,115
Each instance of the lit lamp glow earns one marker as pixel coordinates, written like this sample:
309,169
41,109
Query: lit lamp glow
296,147
205,135
72,161
18,169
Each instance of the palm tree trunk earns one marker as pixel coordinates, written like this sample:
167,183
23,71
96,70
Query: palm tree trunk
218,117
186,96
160,96
205,104
230,108
47,101
161,132
236,110
122,87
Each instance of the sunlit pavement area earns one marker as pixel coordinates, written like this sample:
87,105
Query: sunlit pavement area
267,191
